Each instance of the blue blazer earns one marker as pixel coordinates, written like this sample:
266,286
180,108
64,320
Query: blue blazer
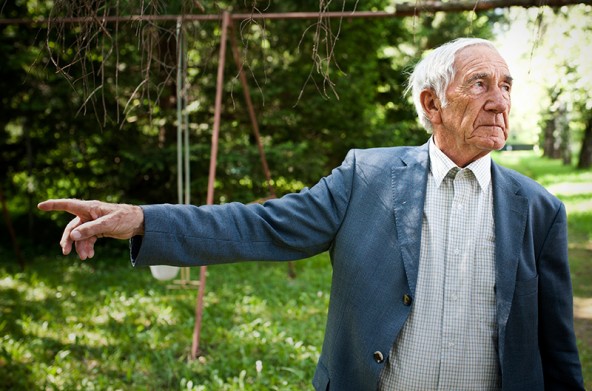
368,215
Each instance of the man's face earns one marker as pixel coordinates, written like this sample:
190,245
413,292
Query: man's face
475,119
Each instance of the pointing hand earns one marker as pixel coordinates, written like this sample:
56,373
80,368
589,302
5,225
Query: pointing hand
95,219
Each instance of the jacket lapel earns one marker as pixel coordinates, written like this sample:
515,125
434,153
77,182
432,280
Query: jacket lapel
409,178
510,212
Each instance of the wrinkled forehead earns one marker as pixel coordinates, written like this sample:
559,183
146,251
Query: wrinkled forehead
480,59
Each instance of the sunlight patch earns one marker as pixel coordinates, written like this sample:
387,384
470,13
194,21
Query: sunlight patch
583,307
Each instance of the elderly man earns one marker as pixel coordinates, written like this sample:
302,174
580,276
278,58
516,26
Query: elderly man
449,271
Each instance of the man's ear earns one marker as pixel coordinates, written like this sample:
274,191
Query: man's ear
431,106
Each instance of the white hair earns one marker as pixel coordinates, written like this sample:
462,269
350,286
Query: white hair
436,71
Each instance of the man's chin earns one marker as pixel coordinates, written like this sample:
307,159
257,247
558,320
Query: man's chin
491,143
499,146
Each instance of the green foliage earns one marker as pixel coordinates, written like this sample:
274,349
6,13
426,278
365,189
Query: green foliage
102,325
552,75
89,111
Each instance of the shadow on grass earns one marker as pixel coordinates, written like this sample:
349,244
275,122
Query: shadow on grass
15,375
583,327
64,322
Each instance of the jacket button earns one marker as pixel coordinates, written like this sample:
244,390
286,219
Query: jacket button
378,357
407,300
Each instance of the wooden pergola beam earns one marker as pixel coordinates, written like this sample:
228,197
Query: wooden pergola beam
401,10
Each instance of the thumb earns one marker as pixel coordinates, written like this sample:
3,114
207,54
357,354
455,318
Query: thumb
94,228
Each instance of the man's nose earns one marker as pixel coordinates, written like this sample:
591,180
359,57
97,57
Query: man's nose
498,100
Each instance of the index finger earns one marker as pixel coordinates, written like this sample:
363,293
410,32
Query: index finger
73,206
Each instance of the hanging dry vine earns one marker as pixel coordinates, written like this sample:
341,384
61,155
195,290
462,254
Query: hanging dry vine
77,30
323,52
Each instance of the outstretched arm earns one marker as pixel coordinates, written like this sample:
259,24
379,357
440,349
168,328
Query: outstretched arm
95,219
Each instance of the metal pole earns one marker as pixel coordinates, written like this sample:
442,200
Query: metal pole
187,169
251,110
402,10
183,175
179,113
212,176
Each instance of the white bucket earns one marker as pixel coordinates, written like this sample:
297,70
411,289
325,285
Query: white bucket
164,272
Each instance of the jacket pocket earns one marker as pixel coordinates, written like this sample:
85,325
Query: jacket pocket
522,326
527,287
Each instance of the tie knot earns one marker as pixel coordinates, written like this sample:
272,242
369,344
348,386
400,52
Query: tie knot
452,172
460,173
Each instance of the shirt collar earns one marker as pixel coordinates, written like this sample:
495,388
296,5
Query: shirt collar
440,164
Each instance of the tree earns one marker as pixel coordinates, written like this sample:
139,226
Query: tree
559,73
101,128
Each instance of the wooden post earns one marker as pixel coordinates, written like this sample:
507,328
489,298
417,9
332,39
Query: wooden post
255,125
251,110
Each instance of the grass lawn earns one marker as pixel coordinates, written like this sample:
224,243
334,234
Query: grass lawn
67,324
101,325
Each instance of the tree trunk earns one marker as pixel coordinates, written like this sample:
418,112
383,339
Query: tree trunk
8,221
549,147
551,133
562,128
585,160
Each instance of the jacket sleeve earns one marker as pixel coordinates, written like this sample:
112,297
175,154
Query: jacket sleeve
559,354
296,226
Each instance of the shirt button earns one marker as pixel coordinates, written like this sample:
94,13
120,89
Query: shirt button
407,300
378,357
